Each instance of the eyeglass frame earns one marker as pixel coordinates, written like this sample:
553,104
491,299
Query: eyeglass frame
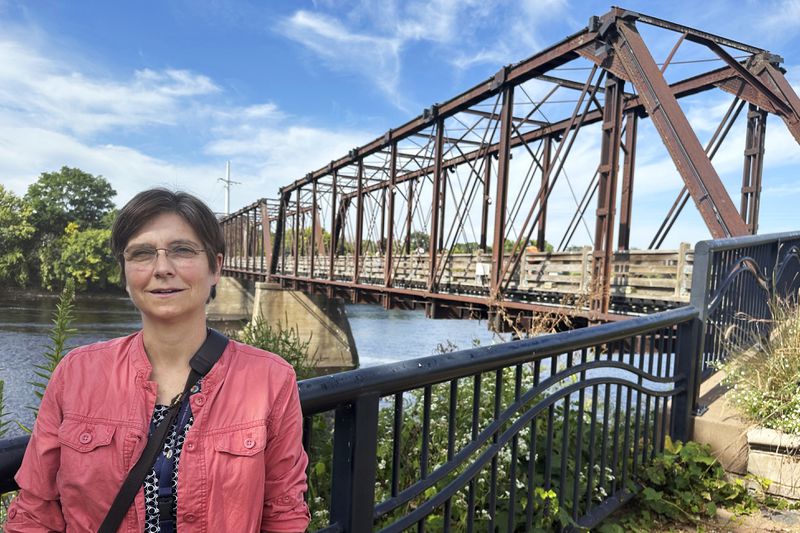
167,252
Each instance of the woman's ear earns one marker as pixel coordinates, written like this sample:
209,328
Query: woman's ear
218,272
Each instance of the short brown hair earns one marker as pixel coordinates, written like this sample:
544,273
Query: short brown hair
153,202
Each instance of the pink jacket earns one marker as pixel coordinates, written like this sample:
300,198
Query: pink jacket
242,467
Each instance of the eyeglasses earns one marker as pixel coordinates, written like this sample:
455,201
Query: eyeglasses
146,255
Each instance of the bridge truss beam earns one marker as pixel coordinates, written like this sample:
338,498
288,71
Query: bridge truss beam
469,181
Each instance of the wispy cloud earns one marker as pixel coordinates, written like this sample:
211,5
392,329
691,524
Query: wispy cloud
54,113
371,40
373,57
780,18
52,94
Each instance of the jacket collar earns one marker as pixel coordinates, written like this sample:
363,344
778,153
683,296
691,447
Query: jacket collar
141,363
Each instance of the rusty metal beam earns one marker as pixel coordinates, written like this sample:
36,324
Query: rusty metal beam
387,268
409,216
753,166
314,247
295,234
628,171
334,233
436,203
541,221
603,253
487,200
359,223
692,34
501,196
702,181
773,77
267,239
422,294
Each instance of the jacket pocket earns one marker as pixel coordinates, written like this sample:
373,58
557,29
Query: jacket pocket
85,436
243,442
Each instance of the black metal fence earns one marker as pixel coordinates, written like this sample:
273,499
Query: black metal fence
541,433
734,282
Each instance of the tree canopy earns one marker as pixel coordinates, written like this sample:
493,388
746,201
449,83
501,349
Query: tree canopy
16,237
58,231
69,195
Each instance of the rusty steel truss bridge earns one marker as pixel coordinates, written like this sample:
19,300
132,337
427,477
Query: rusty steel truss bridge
449,211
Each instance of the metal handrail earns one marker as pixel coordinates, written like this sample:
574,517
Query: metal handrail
326,392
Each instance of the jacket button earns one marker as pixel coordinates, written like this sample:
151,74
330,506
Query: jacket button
189,517
249,443
85,437
190,446
199,399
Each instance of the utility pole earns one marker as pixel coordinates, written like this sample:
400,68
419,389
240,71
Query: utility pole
227,181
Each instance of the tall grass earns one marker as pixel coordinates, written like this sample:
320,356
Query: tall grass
59,334
764,374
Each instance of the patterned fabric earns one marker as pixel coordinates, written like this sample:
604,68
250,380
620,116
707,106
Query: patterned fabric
173,445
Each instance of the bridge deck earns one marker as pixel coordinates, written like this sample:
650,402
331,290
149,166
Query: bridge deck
643,281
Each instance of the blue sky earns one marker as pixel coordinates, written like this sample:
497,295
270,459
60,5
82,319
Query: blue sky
164,92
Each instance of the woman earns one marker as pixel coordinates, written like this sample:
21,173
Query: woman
234,454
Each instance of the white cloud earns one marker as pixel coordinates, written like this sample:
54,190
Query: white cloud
782,18
47,93
149,127
372,56
371,39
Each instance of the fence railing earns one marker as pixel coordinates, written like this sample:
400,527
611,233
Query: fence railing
732,285
525,434
547,432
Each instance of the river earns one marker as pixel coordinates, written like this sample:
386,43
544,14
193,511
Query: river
26,318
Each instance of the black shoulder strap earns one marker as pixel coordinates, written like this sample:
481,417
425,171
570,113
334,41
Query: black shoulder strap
201,363
209,353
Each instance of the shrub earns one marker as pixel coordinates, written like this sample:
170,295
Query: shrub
684,484
281,340
81,255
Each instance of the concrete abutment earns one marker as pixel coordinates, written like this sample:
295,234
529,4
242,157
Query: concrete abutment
317,318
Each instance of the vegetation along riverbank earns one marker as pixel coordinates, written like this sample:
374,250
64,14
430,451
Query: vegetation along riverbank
58,230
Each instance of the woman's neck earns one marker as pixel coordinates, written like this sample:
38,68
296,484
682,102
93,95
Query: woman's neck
172,345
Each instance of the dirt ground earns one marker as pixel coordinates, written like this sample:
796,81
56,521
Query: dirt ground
767,521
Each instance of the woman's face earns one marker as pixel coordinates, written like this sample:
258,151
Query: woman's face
171,288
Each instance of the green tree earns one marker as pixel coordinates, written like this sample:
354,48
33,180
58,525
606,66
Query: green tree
81,255
69,195
420,239
16,238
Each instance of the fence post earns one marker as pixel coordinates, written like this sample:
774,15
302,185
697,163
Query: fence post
354,452
687,367
699,299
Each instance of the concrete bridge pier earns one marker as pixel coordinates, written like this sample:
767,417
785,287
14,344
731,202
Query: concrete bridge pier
317,318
